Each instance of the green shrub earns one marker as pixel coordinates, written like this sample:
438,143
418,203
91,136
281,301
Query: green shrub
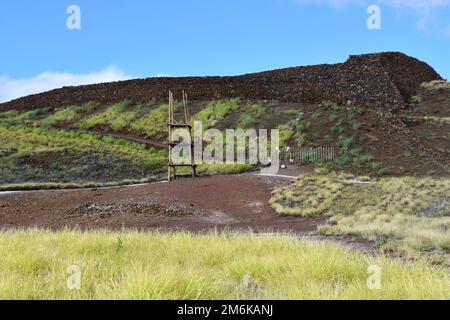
316,115
347,143
356,125
301,128
246,121
375,166
286,134
384,171
334,118
258,110
329,105
337,130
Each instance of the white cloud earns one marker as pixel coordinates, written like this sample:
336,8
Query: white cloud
162,75
421,6
15,88
427,11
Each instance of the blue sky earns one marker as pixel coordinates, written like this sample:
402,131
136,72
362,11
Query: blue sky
137,38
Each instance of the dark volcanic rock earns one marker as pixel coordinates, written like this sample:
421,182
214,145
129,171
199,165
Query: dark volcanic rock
382,79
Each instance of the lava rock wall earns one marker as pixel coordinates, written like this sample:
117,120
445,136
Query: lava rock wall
382,79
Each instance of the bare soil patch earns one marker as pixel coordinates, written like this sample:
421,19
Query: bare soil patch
235,203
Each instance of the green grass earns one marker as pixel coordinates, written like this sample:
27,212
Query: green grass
252,115
68,115
216,111
29,186
246,121
33,156
411,215
152,124
8,114
114,117
258,110
286,134
35,265
214,169
12,118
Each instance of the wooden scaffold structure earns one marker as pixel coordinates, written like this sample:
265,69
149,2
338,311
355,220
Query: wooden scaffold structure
172,168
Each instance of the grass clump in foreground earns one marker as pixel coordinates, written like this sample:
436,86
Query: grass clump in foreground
37,264
408,215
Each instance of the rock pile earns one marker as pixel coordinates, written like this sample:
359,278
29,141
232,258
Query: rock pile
108,210
382,79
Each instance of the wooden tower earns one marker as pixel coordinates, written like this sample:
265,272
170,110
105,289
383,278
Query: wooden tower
172,169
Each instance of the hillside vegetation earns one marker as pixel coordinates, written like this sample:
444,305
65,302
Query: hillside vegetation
81,144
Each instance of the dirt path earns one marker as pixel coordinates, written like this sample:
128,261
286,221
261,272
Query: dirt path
220,202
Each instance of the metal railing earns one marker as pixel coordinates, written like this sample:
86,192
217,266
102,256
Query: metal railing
307,155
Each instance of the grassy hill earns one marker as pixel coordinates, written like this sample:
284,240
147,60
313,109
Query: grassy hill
382,121
98,144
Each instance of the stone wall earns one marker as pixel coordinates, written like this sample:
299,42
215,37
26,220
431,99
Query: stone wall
383,79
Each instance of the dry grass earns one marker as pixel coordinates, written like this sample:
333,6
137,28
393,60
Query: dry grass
431,119
436,85
409,215
184,266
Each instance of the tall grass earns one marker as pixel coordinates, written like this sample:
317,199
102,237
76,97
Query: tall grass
184,266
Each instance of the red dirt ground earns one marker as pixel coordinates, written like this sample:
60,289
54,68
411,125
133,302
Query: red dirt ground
203,204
